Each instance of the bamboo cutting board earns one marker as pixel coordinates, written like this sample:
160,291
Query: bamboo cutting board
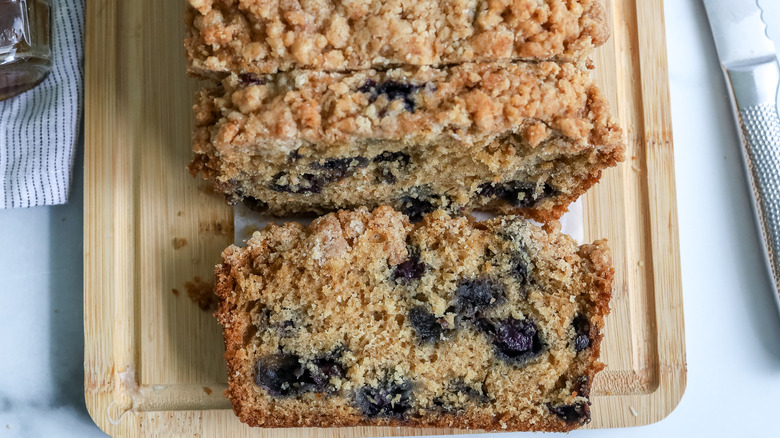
153,360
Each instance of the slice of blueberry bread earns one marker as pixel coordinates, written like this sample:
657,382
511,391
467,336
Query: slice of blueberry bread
509,138
266,36
365,319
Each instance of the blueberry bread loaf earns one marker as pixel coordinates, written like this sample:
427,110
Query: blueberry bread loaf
525,138
266,36
365,319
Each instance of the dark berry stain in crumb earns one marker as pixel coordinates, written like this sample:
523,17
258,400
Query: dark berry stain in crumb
581,327
518,269
411,269
335,169
324,173
386,176
393,90
338,167
295,155
286,329
279,374
322,370
284,375
389,400
392,157
386,161
452,401
574,413
516,341
248,79
516,193
426,325
477,294
460,386
416,207
307,183
583,387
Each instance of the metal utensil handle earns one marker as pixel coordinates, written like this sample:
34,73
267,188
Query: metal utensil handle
761,130
755,94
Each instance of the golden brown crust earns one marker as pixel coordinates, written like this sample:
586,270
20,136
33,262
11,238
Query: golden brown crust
290,264
265,36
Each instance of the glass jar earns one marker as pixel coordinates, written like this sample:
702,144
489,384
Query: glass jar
25,45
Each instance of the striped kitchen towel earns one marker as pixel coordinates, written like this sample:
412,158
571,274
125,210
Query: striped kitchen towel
39,129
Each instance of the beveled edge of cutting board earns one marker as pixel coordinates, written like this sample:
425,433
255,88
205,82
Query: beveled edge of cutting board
110,390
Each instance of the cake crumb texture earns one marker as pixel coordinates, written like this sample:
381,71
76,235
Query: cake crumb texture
517,138
363,318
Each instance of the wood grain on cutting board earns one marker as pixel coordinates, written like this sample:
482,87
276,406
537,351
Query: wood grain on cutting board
153,360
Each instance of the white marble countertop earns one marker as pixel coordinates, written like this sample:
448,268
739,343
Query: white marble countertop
732,323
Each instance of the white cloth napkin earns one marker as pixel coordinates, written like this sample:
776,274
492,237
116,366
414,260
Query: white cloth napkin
39,129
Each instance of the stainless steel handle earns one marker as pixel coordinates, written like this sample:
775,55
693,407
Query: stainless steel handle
755,97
